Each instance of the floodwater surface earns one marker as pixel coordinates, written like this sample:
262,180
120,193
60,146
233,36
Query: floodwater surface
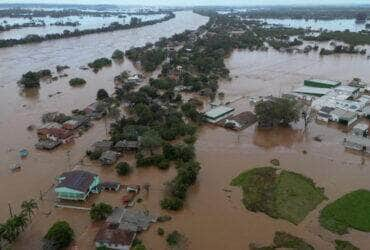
213,217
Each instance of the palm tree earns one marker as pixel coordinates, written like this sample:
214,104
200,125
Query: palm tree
9,230
28,207
20,221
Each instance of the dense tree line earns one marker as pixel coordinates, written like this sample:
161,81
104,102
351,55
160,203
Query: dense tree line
76,33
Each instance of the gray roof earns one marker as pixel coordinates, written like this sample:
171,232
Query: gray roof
127,144
132,220
108,157
102,146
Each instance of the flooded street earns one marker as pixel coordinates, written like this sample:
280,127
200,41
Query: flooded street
214,216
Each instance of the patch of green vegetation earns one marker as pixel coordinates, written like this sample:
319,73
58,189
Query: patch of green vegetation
283,240
77,82
118,55
123,168
344,245
98,64
287,195
350,211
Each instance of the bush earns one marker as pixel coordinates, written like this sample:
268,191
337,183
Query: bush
174,238
118,54
77,82
160,231
60,235
100,63
172,203
101,95
93,155
100,211
123,168
30,80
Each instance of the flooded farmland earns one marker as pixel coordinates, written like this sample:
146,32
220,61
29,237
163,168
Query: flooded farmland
213,217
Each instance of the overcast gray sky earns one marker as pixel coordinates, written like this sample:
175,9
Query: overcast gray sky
192,2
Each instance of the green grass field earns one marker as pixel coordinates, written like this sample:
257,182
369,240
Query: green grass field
344,245
350,211
285,195
283,240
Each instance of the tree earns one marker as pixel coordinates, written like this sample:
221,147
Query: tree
151,140
60,235
123,168
118,54
20,221
102,95
277,112
30,80
100,211
28,207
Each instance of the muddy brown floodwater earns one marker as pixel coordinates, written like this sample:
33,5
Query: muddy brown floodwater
212,218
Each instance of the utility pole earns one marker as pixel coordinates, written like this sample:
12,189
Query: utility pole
10,210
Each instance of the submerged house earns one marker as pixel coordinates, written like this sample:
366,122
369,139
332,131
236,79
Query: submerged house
126,145
343,117
361,129
76,185
108,157
55,134
359,143
219,113
120,228
76,122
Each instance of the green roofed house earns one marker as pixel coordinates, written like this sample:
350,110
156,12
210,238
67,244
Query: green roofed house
318,83
217,114
77,185
314,91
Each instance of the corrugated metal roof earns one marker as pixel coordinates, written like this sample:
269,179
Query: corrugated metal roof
219,111
312,90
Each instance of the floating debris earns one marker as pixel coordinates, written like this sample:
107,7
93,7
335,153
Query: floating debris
23,153
15,167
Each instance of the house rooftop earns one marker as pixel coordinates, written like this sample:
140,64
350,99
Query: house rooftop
361,126
78,180
312,91
326,82
133,220
344,114
218,112
112,235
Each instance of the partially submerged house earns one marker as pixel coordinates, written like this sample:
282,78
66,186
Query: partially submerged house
126,145
108,157
96,110
319,83
112,237
76,122
343,117
314,91
55,134
120,228
361,129
47,144
359,143
101,146
77,185
219,113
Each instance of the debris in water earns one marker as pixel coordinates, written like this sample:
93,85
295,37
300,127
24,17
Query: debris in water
15,167
275,162
23,153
